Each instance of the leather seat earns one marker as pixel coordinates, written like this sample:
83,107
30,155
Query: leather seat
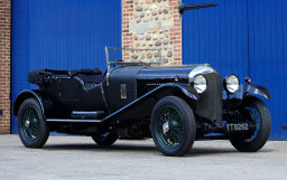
95,71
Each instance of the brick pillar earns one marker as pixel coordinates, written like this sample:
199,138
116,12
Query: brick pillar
5,27
175,32
152,24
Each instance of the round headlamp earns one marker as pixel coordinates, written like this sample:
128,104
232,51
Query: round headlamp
200,83
231,83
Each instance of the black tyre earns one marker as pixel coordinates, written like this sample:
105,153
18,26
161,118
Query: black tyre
255,110
173,126
32,127
105,139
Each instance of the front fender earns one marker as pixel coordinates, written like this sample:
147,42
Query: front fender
25,94
251,89
187,90
134,108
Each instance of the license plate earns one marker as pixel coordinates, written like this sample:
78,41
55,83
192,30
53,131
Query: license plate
237,127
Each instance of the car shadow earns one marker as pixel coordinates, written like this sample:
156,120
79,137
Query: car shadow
204,151
149,148
94,147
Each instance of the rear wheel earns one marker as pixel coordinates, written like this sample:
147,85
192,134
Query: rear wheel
32,127
255,110
173,126
105,139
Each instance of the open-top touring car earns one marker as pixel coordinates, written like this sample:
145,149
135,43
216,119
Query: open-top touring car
175,105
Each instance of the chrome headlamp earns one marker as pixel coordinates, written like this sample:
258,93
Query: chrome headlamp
196,77
231,83
200,83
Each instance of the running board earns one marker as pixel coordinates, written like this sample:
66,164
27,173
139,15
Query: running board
76,120
86,114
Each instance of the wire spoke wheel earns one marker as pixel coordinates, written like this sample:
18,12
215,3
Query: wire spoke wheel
256,112
173,126
30,124
170,129
32,127
105,139
255,119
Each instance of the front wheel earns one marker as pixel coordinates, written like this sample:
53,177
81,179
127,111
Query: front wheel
32,127
257,112
173,126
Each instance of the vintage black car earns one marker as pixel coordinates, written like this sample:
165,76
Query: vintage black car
175,105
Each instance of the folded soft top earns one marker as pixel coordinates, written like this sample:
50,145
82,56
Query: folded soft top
38,76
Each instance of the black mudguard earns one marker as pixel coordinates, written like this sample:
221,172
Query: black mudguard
25,94
187,90
251,89
147,101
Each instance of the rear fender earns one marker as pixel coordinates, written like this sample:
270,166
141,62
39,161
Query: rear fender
25,94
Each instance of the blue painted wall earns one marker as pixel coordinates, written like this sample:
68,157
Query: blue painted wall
235,31
61,34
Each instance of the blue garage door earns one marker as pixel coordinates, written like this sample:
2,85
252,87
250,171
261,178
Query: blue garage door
241,32
61,34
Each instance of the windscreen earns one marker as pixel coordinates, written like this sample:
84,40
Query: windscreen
129,55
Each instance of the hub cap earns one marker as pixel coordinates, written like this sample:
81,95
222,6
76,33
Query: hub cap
170,128
27,123
165,128
30,124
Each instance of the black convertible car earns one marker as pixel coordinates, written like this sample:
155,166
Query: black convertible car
175,105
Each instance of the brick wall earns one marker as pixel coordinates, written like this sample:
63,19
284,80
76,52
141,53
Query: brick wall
152,24
5,26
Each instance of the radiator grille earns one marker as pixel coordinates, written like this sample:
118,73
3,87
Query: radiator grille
209,104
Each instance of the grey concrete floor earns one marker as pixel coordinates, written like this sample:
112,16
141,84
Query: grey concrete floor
77,157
